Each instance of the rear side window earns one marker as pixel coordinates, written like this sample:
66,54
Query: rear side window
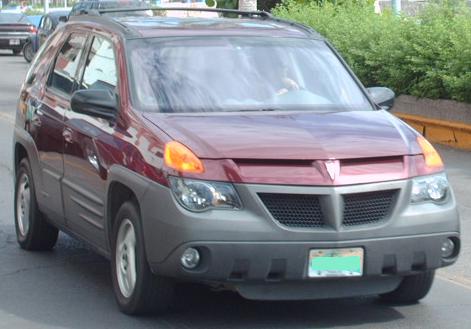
63,77
100,69
41,63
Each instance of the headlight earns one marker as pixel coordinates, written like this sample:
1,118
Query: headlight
431,188
199,195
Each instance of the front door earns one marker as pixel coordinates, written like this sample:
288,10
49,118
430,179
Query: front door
88,143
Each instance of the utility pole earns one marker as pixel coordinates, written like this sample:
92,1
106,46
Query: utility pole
248,5
46,6
396,7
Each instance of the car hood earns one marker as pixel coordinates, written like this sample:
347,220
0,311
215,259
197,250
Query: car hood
290,136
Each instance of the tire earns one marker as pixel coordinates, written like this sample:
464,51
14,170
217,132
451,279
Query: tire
28,52
16,52
137,290
32,230
412,288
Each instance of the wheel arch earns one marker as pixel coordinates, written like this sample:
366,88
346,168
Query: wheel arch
24,147
123,185
19,154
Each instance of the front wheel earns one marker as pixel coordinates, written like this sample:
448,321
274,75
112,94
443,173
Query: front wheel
28,52
136,289
412,288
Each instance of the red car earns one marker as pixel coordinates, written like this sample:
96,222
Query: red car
237,152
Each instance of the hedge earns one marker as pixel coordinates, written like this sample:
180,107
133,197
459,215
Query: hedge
426,56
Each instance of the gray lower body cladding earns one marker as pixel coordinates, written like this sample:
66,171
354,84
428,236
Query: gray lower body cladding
278,271
264,259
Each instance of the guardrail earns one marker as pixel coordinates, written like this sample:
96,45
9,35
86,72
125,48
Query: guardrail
451,133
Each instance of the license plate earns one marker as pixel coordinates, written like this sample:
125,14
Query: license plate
14,42
344,262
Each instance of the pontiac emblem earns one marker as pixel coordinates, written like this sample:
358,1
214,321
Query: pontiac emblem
333,168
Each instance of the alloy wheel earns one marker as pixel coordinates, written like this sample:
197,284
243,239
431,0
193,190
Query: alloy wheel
126,258
23,204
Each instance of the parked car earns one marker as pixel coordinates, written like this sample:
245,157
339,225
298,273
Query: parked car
35,19
15,30
241,153
47,25
85,6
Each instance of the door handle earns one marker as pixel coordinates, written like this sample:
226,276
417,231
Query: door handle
67,134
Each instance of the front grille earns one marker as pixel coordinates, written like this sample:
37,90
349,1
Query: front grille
294,210
367,208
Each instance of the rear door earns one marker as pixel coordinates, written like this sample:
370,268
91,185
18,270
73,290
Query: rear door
48,119
45,128
88,142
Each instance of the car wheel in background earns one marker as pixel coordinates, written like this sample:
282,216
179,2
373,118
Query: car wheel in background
28,52
32,230
412,288
16,52
136,289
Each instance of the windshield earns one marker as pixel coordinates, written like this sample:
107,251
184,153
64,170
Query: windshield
13,18
240,74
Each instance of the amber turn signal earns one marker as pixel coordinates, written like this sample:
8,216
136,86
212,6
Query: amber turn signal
432,158
181,158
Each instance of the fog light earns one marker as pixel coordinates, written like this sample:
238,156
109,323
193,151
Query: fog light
448,248
190,258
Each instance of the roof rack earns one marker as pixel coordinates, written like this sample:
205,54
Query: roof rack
249,14
261,14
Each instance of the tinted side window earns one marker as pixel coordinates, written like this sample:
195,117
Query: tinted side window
63,76
41,22
100,69
41,62
47,23
76,9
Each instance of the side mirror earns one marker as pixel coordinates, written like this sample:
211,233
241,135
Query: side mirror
100,103
63,19
383,97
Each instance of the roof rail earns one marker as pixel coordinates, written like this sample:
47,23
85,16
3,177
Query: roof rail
294,24
261,14
249,14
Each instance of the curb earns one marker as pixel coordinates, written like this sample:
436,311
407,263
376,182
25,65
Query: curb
451,133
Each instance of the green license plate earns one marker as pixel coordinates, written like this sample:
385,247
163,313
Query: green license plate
344,262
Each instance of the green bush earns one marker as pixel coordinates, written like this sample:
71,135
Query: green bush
427,56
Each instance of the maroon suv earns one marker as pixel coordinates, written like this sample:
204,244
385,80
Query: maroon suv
237,152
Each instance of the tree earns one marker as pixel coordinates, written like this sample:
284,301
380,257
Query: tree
268,5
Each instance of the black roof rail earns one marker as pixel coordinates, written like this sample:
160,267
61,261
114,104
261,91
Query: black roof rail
261,14
250,14
306,28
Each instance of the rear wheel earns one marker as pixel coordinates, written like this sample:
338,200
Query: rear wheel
412,288
28,52
32,230
136,289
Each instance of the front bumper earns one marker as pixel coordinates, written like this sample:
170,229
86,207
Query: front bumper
275,261
250,250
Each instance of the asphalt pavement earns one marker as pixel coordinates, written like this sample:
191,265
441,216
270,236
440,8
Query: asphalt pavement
70,287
